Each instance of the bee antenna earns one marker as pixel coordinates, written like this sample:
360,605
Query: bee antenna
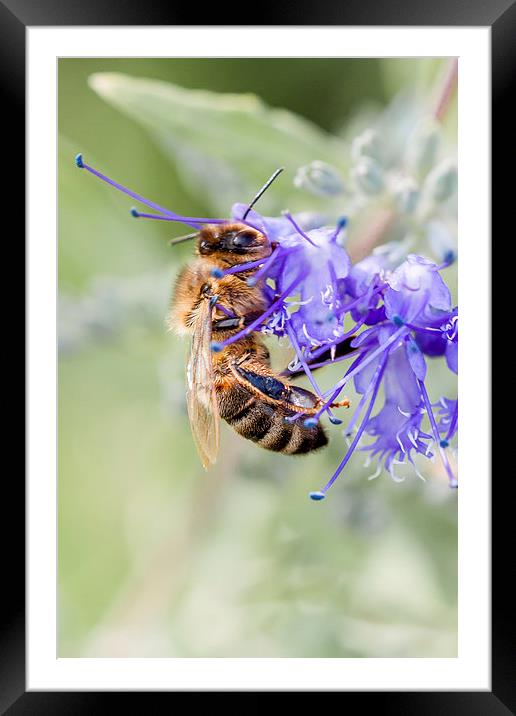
262,191
186,237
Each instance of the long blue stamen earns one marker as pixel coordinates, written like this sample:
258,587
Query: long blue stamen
253,280
320,494
224,310
192,219
301,358
252,326
352,330
449,259
366,296
298,229
341,224
395,336
293,418
324,363
79,161
451,477
350,426
354,368
308,372
238,268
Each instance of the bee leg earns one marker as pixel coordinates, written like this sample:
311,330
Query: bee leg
224,324
242,359
340,403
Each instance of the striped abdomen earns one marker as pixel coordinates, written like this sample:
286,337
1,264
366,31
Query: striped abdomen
265,424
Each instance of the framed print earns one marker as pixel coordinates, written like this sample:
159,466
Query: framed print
295,211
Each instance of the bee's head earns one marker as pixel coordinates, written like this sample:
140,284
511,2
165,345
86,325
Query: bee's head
232,243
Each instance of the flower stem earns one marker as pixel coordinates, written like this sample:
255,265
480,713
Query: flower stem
446,90
373,235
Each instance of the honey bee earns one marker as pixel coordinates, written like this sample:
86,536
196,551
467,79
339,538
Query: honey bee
236,384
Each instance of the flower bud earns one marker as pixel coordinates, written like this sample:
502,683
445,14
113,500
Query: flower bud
423,147
319,178
366,145
406,194
368,175
441,183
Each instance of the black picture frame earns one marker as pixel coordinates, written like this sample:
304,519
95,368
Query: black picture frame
15,17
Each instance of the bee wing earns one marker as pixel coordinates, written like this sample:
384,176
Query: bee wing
201,399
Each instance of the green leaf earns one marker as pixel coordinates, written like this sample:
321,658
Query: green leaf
224,145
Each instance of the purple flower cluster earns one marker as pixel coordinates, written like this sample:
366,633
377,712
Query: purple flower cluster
397,317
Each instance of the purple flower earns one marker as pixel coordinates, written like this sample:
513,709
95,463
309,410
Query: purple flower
415,297
312,261
418,296
365,283
441,339
322,265
397,427
417,293
396,316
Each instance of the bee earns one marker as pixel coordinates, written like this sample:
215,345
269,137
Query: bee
236,384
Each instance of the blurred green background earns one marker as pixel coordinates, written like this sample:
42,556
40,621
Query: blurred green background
156,557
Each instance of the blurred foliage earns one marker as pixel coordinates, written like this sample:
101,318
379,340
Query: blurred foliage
156,557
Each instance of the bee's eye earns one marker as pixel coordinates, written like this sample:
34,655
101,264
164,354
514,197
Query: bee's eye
205,247
244,239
